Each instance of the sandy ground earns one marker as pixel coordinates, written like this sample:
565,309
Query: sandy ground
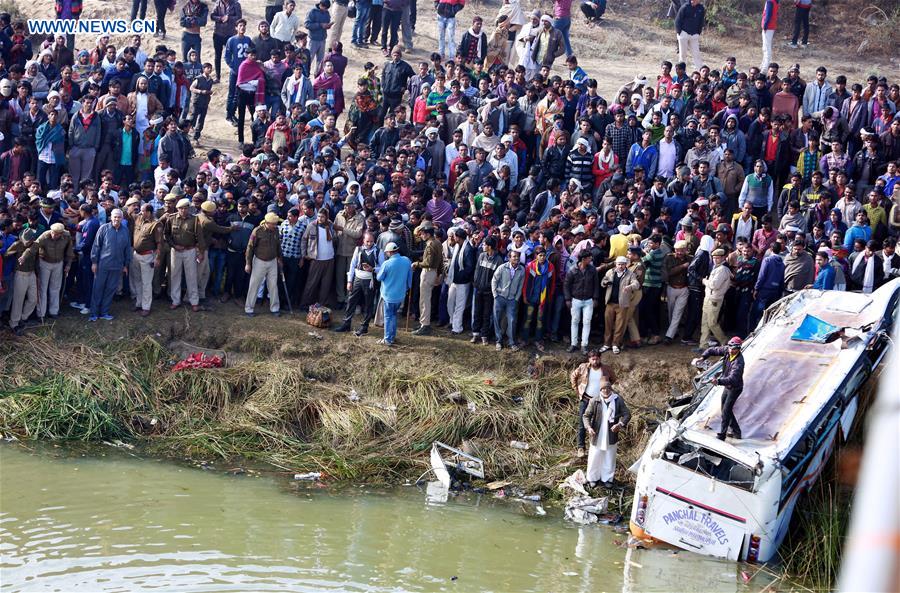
631,40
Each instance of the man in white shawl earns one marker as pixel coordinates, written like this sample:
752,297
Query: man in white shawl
605,417
525,44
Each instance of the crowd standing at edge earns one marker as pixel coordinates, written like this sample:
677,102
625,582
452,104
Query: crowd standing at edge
490,190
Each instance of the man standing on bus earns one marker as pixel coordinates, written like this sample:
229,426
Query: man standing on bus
732,379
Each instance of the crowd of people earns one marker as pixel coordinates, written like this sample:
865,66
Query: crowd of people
490,189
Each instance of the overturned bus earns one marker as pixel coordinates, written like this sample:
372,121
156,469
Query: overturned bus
804,366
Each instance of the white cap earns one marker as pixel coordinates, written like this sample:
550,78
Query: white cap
338,179
431,131
390,247
622,260
624,228
487,201
575,182
506,138
377,187
260,108
578,230
583,142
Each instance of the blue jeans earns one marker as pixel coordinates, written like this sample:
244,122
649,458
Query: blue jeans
508,308
582,314
582,406
390,321
447,28
564,24
274,105
189,41
231,101
359,25
216,270
106,283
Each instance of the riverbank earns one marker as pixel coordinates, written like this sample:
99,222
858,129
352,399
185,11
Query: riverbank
301,399
304,399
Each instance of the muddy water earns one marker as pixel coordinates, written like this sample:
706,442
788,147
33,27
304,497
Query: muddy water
116,522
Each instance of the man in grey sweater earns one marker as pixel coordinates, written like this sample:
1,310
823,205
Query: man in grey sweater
84,140
506,285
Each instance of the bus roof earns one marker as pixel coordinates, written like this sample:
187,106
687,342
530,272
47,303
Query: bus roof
787,382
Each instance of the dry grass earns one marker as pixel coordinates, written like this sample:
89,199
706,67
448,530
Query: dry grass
289,405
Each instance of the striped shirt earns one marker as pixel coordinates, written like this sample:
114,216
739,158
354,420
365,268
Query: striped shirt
653,264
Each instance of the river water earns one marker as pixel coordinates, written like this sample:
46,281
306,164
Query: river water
110,521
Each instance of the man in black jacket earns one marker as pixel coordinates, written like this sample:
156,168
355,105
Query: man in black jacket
688,25
482,319
732,379
582,291
111,123
459,276
394,79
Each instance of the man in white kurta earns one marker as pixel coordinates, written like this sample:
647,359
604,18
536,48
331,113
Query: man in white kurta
605,416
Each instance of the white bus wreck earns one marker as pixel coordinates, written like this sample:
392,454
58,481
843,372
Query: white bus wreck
804,366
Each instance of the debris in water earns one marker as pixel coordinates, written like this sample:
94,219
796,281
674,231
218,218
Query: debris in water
635,543
746,577
309,476
454,577
519,445
585,510
498,485
532,498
